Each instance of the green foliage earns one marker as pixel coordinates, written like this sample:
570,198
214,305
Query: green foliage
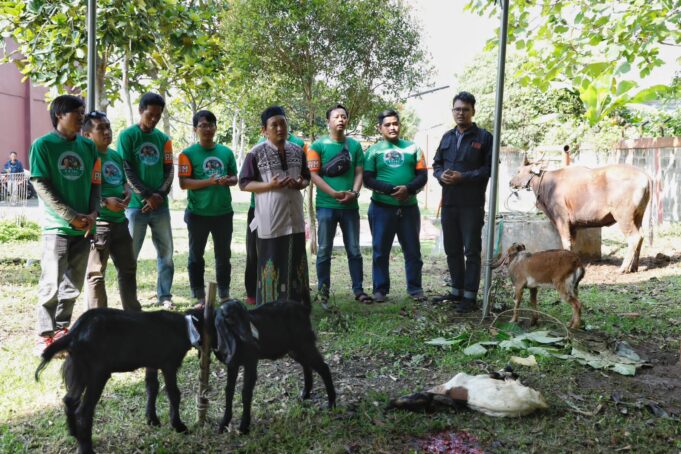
531,115
21,230
592,46
309,55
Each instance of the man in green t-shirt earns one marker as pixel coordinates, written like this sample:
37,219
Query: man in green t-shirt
148,163
112,237
395,170
66,172
251,270
206,171
336,201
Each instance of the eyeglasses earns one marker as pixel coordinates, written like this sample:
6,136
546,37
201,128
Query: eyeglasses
461,109
96,114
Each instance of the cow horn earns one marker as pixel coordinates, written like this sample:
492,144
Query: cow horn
525,161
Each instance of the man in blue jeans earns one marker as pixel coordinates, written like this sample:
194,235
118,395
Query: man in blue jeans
148,161
395,170
462,165
337,192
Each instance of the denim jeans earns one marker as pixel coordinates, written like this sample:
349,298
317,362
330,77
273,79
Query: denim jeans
462,235
162,237
385,222
220,228
112,239
327,220
63,263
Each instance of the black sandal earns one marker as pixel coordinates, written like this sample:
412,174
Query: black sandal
364,298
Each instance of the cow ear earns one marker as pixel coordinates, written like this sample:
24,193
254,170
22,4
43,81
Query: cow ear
536,170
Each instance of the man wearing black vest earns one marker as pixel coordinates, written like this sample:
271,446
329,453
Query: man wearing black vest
462,165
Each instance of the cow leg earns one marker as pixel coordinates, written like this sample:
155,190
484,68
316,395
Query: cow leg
634,242
567,235
151,381
232,373
533,303
516,307
170,377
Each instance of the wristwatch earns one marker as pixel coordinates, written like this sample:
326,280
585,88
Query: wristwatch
355,193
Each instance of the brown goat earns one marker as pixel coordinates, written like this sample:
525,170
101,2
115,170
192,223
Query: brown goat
555,268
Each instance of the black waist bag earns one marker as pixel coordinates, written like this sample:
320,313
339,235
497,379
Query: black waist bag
338,165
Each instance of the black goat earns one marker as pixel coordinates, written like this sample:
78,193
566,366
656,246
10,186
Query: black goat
106,340
267,332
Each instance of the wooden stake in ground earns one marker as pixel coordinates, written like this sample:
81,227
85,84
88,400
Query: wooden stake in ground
206,342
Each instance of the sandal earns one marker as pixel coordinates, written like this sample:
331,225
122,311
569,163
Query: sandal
364,298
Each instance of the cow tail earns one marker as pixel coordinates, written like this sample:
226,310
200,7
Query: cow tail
651,215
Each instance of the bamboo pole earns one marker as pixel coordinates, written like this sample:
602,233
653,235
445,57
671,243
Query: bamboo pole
206,342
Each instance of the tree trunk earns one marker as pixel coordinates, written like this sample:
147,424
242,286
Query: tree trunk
312,220
101,100
126,87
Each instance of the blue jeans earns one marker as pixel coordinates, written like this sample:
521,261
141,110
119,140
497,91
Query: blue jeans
162,237
220,228
385,222
327,220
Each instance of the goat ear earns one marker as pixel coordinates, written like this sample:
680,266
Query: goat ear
226,341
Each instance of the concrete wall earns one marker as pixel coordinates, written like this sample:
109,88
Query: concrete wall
23,112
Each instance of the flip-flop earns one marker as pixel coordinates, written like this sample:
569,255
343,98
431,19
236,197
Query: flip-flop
364,298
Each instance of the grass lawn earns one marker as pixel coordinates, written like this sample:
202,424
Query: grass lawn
375,353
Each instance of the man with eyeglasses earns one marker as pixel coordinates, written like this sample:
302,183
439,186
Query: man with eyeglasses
207,170
112,237
148,160
462,165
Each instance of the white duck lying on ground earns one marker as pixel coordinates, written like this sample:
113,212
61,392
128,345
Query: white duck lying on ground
498,394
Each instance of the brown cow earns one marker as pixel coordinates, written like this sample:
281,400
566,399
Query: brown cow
577,197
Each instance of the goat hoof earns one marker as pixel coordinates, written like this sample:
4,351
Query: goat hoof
153,421
221,429
305,396
181,428
244,430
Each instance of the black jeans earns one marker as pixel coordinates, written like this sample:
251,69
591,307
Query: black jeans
220,227
462,232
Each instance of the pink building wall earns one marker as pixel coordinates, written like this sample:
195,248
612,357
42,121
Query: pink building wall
23,112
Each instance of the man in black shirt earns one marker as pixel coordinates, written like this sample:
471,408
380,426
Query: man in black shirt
462,165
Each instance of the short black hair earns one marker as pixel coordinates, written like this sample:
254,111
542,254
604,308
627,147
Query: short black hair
337,106
387,113
270,112
62,105
466,97
12,152
207,114
152,99
94,115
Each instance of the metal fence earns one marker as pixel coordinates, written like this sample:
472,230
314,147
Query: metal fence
15,192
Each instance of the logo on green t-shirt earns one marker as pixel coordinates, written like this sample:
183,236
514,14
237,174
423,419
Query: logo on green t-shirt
111,173
148,154
393,158
70,165
213,166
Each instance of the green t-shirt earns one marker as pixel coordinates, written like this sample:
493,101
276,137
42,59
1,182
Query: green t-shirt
395,164
321,152
71,167
201,163
291,138
113,184
147,153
